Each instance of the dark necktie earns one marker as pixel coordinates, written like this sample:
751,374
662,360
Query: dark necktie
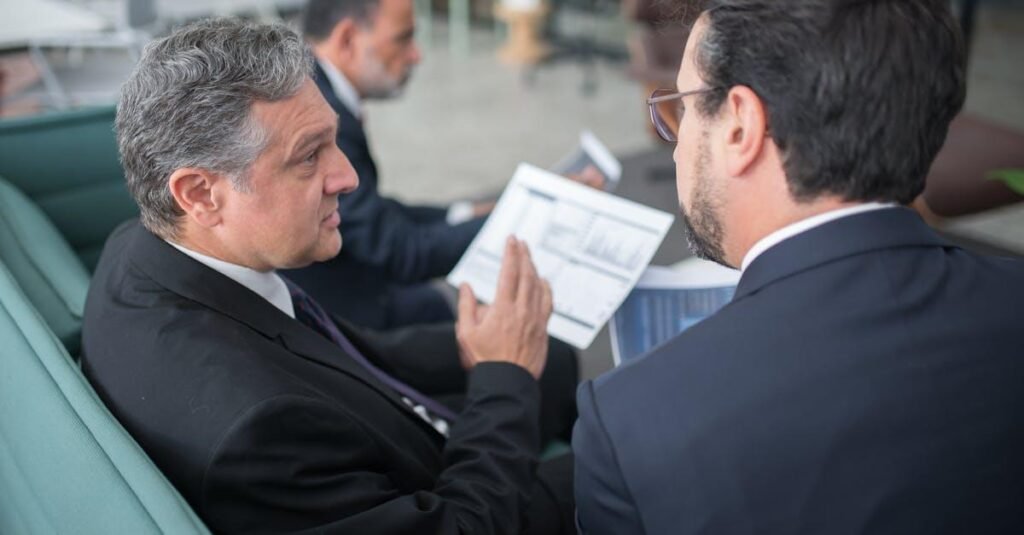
313,315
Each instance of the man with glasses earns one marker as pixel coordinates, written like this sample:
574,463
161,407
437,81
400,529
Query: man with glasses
867,375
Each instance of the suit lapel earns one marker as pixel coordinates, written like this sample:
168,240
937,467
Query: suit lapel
848,236
188,278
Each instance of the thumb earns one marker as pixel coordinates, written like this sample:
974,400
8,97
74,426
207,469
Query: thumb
467,304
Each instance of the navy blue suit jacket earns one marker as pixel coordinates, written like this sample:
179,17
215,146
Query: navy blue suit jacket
388,246
867,377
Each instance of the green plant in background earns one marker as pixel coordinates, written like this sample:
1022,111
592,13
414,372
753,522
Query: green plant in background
1014,178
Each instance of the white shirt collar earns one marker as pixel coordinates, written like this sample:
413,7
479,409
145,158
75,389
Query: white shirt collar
804,225
268,285
343,89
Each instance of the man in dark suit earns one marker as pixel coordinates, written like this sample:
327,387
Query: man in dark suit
365,49
866,377
266,413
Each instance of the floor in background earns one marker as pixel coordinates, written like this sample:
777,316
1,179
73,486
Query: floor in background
464,123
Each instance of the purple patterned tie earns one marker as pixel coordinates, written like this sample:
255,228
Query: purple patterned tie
313,315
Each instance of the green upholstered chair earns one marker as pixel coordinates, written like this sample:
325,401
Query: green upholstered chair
66,465
46,268
67,163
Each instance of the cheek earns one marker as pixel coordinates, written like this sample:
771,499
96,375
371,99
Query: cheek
684,156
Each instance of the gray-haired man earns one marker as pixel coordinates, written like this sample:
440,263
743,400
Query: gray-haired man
267,414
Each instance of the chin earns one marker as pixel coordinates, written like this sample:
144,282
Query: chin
328,250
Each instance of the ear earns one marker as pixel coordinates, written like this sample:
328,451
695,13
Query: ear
197,193
745,129
342,39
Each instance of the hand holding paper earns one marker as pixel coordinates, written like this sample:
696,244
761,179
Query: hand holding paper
591,247
514,328
590,176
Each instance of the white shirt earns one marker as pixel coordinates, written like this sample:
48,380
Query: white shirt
343,89
804,225
270,286
458,212
267,285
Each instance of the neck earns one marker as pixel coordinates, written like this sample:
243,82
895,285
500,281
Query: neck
208,244
761,222
329,55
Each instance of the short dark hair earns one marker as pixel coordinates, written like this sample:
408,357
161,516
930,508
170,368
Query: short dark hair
319,17
859,93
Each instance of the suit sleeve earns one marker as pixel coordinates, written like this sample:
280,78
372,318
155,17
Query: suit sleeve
425,357
294,463
603,502
423,214
386,235
409,245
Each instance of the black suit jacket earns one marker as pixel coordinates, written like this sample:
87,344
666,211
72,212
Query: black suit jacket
387,244
266,426
867,377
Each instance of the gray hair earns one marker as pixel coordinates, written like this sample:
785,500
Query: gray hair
188,103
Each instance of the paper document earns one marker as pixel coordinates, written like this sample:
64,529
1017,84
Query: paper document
591,151
665,302
591,247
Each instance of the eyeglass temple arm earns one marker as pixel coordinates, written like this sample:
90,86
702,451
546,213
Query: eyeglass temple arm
673,96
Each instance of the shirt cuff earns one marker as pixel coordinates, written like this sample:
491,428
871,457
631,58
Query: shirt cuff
459,212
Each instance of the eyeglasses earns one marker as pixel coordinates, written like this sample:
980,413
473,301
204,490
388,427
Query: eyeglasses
666,113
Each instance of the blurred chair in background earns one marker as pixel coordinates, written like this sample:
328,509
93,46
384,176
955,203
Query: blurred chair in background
654,49
959,182
67,163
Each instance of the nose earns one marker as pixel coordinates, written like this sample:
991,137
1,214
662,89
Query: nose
342,177
414,54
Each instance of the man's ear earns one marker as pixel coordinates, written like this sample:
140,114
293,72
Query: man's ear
197,193
746,122
342,39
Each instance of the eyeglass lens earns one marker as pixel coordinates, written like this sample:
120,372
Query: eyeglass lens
666,115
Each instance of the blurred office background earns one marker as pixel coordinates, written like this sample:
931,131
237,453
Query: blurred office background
467,118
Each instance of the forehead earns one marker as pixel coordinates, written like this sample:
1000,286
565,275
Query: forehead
291,117
688,75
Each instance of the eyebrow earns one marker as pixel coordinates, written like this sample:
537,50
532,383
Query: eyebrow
313,137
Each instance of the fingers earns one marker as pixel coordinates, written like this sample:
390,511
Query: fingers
527,276
546,300
590,176
593,177
467,305
508,278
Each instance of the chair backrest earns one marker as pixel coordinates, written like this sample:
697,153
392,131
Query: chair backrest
67,163
66,465
43,264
